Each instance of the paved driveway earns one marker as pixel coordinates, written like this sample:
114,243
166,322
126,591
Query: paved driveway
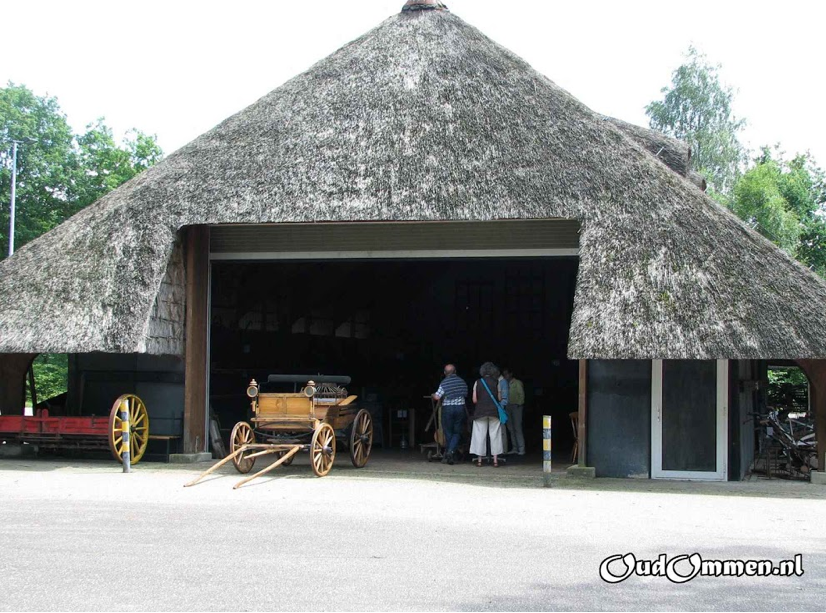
399,536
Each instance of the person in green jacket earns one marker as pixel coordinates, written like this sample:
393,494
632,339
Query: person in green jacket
515,407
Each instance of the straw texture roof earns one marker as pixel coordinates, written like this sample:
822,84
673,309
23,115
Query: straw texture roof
425,118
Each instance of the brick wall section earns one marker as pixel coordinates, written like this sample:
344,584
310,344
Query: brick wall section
166,324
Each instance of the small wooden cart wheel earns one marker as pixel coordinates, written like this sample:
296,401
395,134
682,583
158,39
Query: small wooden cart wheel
361,438
138,428
289,460
242,434
323,449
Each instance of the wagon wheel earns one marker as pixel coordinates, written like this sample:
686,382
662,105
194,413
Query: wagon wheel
323,449
138,428
289,460
242,434
361,438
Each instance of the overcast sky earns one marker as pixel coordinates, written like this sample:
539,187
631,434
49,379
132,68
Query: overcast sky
176,68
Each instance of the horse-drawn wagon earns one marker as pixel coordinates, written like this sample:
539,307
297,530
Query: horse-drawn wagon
312,419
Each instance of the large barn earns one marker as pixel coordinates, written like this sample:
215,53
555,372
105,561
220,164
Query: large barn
424,196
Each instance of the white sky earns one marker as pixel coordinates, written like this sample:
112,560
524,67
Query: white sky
175,68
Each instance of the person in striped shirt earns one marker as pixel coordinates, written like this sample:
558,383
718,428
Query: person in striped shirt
452,392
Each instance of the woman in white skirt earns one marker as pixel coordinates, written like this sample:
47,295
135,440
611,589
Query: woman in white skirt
486,415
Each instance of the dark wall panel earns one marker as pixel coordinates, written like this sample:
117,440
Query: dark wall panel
619,417
689,415
97,379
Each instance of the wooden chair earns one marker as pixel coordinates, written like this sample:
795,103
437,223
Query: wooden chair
574,424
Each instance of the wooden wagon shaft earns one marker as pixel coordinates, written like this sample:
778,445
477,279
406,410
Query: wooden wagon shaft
271,449
215,467
272,466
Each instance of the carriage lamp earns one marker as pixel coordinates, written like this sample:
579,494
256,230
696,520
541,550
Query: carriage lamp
309,389
252,390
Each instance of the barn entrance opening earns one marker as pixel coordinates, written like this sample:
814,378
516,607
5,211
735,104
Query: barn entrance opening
391,325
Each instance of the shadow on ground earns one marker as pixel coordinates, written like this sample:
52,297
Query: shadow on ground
409,465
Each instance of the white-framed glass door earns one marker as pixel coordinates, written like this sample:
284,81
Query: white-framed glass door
689,425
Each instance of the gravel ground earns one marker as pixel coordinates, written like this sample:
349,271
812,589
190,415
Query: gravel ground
399,535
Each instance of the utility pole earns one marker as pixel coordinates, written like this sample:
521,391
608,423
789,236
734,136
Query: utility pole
13,189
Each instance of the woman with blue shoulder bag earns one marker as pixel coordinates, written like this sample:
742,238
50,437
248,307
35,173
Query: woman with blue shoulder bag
488,416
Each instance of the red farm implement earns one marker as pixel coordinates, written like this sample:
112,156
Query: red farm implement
86,433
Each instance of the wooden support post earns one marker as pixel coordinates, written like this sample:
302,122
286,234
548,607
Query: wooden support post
582,430
32,387
197,319
816,372
13,369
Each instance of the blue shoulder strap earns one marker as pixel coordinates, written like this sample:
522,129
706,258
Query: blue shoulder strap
490,393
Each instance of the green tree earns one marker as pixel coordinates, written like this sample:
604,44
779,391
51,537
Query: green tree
58,172
804,187
104,165
696,108
144,150
50,376
758,199
786,202
788,388
46,163
812,249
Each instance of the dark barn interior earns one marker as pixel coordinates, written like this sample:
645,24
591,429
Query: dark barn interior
391,325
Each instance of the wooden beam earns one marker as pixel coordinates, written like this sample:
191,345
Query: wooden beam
816,372
32,387
196,244
582,430
13,369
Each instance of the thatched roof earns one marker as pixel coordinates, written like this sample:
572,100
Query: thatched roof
425,118
674,153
